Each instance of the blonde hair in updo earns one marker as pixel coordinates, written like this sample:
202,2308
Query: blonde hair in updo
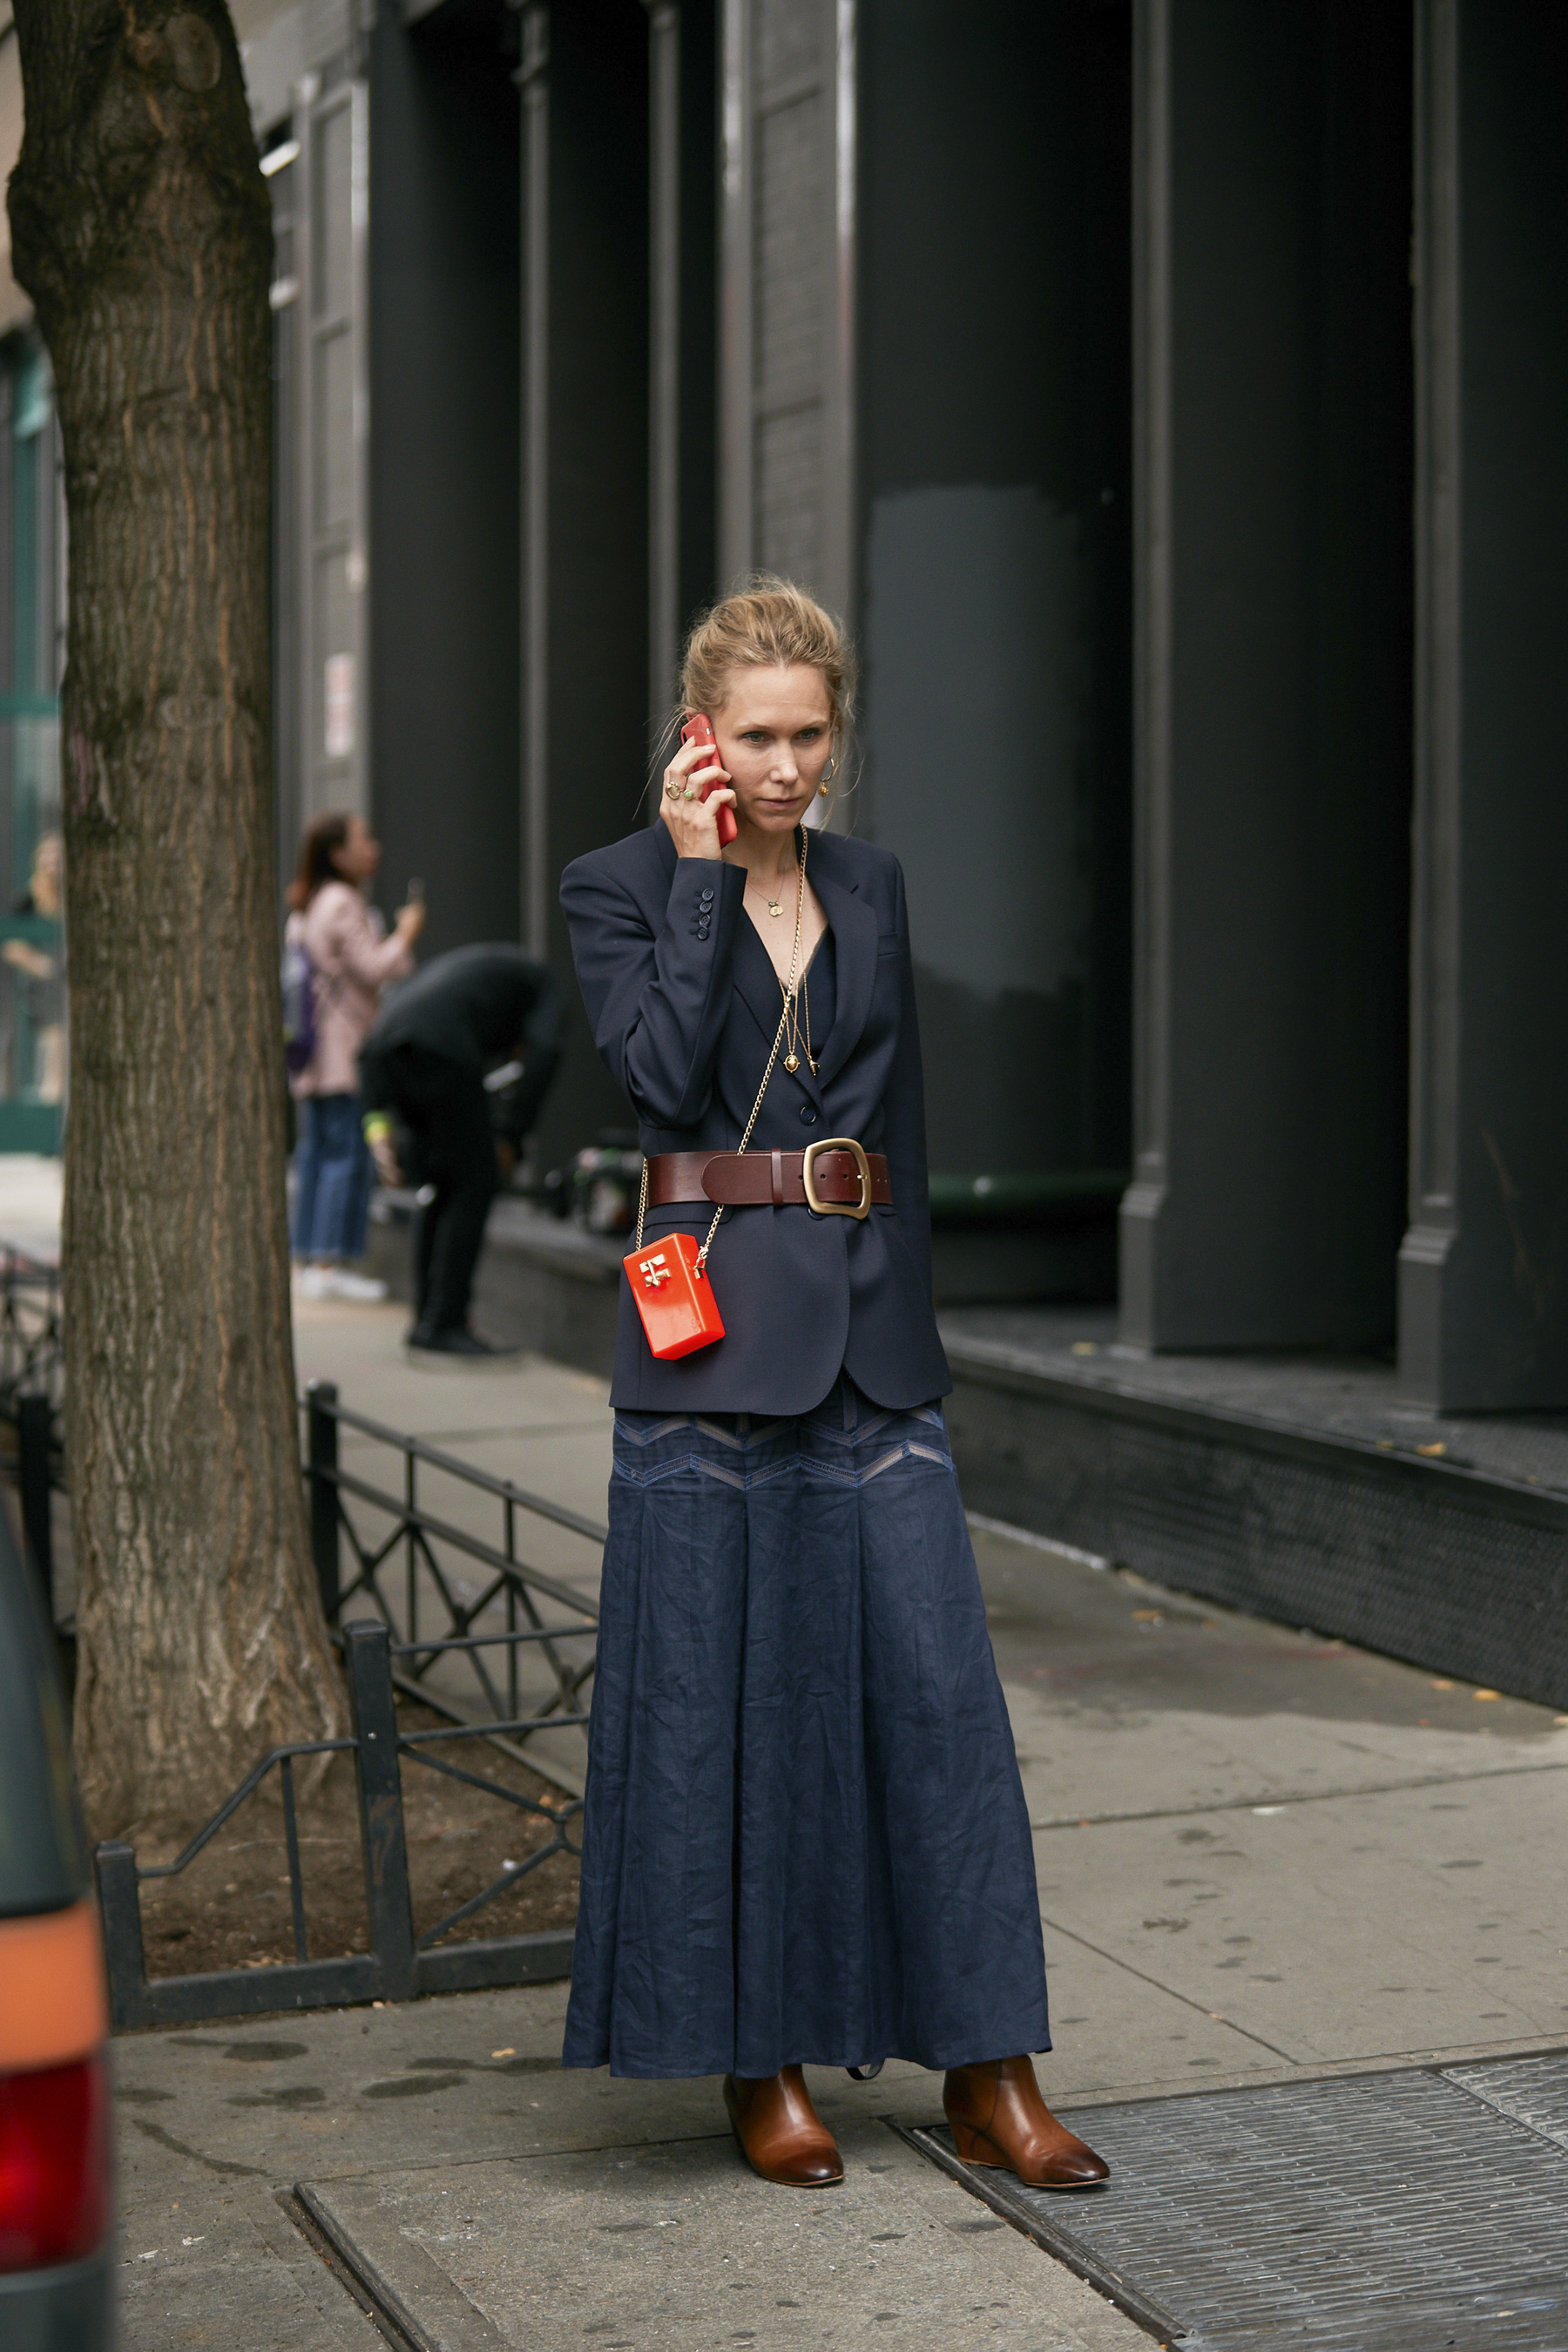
770,624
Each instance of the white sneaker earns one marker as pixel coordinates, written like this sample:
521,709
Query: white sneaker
362,1288
314,1281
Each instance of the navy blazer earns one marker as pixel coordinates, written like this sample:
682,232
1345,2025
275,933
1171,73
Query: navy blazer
684,1026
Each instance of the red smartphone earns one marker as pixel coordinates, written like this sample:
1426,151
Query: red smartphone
699,729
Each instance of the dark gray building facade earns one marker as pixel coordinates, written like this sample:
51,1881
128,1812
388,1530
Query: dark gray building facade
1168,395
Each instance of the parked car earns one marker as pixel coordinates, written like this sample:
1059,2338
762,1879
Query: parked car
56,2281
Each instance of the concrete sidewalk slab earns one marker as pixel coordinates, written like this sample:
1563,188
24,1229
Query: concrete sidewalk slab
442,1397
1078,1765
468,2077
1322,1855
669,2249
396,2112
1347,1927
545,1428
228,2267
1111,2027
30,1193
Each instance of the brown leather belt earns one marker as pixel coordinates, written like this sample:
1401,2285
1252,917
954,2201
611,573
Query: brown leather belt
835,1177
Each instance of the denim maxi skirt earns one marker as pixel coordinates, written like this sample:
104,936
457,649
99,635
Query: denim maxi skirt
805,1839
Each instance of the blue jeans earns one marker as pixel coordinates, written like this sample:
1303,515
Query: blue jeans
333,1173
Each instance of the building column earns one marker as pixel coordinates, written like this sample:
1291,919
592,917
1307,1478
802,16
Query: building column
1483,1271
1271,591
787,300
443,375
664,618
586,444
533,831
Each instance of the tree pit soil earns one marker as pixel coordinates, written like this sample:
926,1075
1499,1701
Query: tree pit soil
230,1907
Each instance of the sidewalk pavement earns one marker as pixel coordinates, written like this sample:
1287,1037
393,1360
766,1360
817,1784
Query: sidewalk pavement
1264,1857
30,1204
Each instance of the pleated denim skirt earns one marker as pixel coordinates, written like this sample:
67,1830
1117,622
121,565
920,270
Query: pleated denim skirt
804,1837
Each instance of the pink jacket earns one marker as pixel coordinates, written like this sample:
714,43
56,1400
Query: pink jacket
346,941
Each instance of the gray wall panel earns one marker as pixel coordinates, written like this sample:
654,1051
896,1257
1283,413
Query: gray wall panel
786,319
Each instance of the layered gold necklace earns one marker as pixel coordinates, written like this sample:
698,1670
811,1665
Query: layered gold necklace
795,989
792,989
794,1000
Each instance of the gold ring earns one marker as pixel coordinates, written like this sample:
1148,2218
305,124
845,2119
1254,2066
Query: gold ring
673,790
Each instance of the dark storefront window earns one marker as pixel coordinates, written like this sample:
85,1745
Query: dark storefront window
32,946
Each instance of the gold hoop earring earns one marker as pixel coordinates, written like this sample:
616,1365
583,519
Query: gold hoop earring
822,791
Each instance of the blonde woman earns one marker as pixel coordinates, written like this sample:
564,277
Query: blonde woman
806,1842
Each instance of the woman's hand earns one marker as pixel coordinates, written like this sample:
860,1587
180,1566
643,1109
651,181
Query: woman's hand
378,1135
693,822
410,922
386,1166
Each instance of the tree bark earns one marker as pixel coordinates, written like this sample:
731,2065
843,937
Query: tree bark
141,228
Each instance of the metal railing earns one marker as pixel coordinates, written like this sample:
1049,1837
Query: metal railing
32,1358
399,1570
426,1616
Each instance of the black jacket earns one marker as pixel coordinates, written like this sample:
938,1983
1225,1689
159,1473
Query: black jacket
685,1030
469,1011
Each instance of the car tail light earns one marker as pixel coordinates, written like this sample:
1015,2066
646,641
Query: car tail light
53,2088
54,2164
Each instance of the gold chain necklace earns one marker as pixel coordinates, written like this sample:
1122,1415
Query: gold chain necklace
794,1001
795,987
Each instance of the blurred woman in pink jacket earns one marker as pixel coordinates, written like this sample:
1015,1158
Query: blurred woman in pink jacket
352,959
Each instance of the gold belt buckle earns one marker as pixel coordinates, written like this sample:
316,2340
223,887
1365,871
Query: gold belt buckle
808,1177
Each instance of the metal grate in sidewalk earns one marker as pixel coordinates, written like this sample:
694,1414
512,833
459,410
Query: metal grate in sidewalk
1533,2091
1404,2212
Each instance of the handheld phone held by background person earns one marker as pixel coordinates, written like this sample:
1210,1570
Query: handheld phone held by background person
699,729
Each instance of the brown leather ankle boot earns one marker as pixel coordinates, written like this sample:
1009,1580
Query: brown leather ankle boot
998,2117
781,2134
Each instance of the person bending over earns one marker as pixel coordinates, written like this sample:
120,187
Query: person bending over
424,1066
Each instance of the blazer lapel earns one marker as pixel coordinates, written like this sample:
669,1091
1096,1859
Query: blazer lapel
756,983
854,928
855,946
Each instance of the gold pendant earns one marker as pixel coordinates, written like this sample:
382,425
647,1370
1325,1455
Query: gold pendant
815,1067
792,1063
775,907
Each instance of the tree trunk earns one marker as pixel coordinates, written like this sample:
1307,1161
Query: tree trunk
141,228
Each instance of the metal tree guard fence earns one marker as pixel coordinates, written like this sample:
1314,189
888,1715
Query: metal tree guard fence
401,1575
31,1357
427,1615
